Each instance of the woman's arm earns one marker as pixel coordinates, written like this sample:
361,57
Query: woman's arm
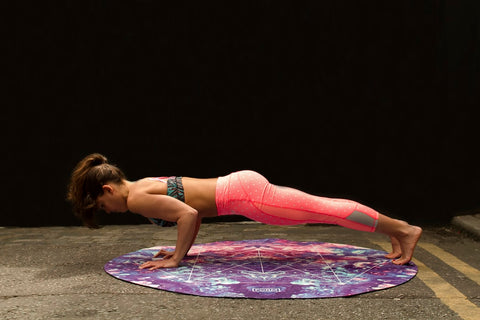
170,209
197,228
168,254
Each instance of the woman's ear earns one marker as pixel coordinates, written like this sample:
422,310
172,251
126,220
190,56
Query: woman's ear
107,188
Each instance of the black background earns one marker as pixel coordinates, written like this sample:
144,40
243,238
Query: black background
369,100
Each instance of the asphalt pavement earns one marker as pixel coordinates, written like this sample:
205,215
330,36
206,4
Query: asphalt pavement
57,273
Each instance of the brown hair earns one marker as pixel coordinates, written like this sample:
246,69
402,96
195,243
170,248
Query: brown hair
86,182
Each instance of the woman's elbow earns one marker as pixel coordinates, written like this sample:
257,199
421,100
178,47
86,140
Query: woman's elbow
194,212
191,213
188,217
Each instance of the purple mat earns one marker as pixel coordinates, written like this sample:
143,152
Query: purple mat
267,269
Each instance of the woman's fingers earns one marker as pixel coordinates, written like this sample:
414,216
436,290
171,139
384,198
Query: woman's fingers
163,253
152,265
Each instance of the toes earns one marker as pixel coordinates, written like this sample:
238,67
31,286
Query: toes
393,255
401,261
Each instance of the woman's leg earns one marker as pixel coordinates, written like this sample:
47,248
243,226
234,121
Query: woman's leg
272,204
249,194
294,204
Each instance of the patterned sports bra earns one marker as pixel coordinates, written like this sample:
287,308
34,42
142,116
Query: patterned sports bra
175,190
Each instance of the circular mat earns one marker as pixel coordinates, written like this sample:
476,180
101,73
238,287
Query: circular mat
267,269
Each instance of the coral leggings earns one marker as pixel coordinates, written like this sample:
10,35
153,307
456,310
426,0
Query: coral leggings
249,194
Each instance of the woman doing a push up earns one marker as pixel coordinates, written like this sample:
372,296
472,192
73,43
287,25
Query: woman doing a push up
96,184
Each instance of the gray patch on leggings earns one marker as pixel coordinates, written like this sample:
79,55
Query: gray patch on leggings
362,218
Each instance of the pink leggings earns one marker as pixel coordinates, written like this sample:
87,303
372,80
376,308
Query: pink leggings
249,194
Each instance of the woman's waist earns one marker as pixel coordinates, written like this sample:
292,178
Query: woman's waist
200,194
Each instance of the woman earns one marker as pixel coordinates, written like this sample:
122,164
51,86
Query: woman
96,184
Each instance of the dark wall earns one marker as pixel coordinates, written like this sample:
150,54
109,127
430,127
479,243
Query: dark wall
363,100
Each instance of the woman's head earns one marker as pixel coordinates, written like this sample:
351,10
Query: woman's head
86,185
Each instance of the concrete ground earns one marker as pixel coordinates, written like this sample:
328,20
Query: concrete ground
57,273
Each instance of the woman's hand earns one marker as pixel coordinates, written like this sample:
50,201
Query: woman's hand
166,254
157,264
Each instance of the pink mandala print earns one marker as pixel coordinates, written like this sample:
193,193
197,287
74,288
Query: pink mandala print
267,269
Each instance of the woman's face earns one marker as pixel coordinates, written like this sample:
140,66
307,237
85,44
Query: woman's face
112,200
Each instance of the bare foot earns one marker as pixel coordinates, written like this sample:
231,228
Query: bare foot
408,241
396,249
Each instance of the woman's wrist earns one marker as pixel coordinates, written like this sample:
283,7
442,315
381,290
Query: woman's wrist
176,258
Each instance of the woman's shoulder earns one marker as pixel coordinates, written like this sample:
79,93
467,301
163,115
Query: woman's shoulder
148,185
142,188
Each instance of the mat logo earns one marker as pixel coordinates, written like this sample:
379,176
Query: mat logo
267,290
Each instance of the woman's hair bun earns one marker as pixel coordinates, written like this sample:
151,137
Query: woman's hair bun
97,159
